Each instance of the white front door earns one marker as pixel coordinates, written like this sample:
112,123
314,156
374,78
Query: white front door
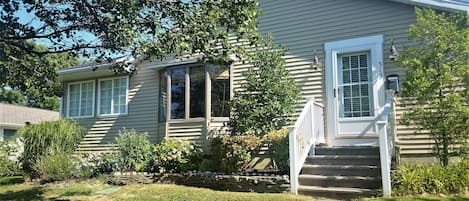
355,91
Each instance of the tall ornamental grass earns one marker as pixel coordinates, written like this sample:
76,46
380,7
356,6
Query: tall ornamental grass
49,138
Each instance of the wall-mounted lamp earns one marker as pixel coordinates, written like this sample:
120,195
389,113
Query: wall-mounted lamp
393,51
316,63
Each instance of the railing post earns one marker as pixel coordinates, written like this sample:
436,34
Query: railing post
384,159
312,140
293,159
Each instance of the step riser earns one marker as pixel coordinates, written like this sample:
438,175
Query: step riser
342,172
347,151
322,161
336,195
349,183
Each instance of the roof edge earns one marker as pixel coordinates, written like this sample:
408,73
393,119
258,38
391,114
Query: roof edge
444,5
91,66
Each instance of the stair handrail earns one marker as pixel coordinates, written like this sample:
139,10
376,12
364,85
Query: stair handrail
307,131
387,140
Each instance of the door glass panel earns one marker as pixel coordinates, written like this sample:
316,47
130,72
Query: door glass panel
354,85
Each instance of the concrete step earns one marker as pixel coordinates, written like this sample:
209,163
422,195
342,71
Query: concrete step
347,150
340,181
336,192
342,170
343,160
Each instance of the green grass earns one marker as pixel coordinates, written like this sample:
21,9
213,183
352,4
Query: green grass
452,198
11,189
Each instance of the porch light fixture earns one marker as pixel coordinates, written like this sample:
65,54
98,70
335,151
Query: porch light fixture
316,63
393,51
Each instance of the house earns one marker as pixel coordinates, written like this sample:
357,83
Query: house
339,52
13,117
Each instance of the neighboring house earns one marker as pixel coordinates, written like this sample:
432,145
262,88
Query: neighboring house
13,117
338,53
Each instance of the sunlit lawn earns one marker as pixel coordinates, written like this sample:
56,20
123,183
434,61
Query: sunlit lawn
14,189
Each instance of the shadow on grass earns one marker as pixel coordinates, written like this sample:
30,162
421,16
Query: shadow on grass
77,193
11,180
35,193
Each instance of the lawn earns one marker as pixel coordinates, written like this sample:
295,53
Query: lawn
14,189
457,198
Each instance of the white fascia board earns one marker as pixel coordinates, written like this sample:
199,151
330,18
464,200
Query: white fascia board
445,5
11,125
94,66
82,69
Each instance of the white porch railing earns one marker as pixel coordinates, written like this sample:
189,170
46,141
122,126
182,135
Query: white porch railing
307,132
387,140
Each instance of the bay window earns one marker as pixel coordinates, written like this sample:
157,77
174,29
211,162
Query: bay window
184,91
80,99
112,96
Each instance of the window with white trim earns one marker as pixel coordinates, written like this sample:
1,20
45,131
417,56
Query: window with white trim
80,99
112,96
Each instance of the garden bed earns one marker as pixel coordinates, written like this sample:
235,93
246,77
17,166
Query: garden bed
260,183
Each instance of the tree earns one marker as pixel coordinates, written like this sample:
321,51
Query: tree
144,28
268,96
103,29
33,76
437,72
11,96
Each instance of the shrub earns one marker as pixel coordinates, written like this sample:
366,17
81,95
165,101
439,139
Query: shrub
134,150
91,164
107,163
269,95
233,153
414,179
278,148
208,165
177,155
52,137
55,167
7,167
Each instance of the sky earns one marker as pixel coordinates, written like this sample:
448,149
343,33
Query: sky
25,17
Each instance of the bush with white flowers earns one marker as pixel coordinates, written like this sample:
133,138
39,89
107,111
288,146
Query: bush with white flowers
176,156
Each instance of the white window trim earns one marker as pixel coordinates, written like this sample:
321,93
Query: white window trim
126,97
68,99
